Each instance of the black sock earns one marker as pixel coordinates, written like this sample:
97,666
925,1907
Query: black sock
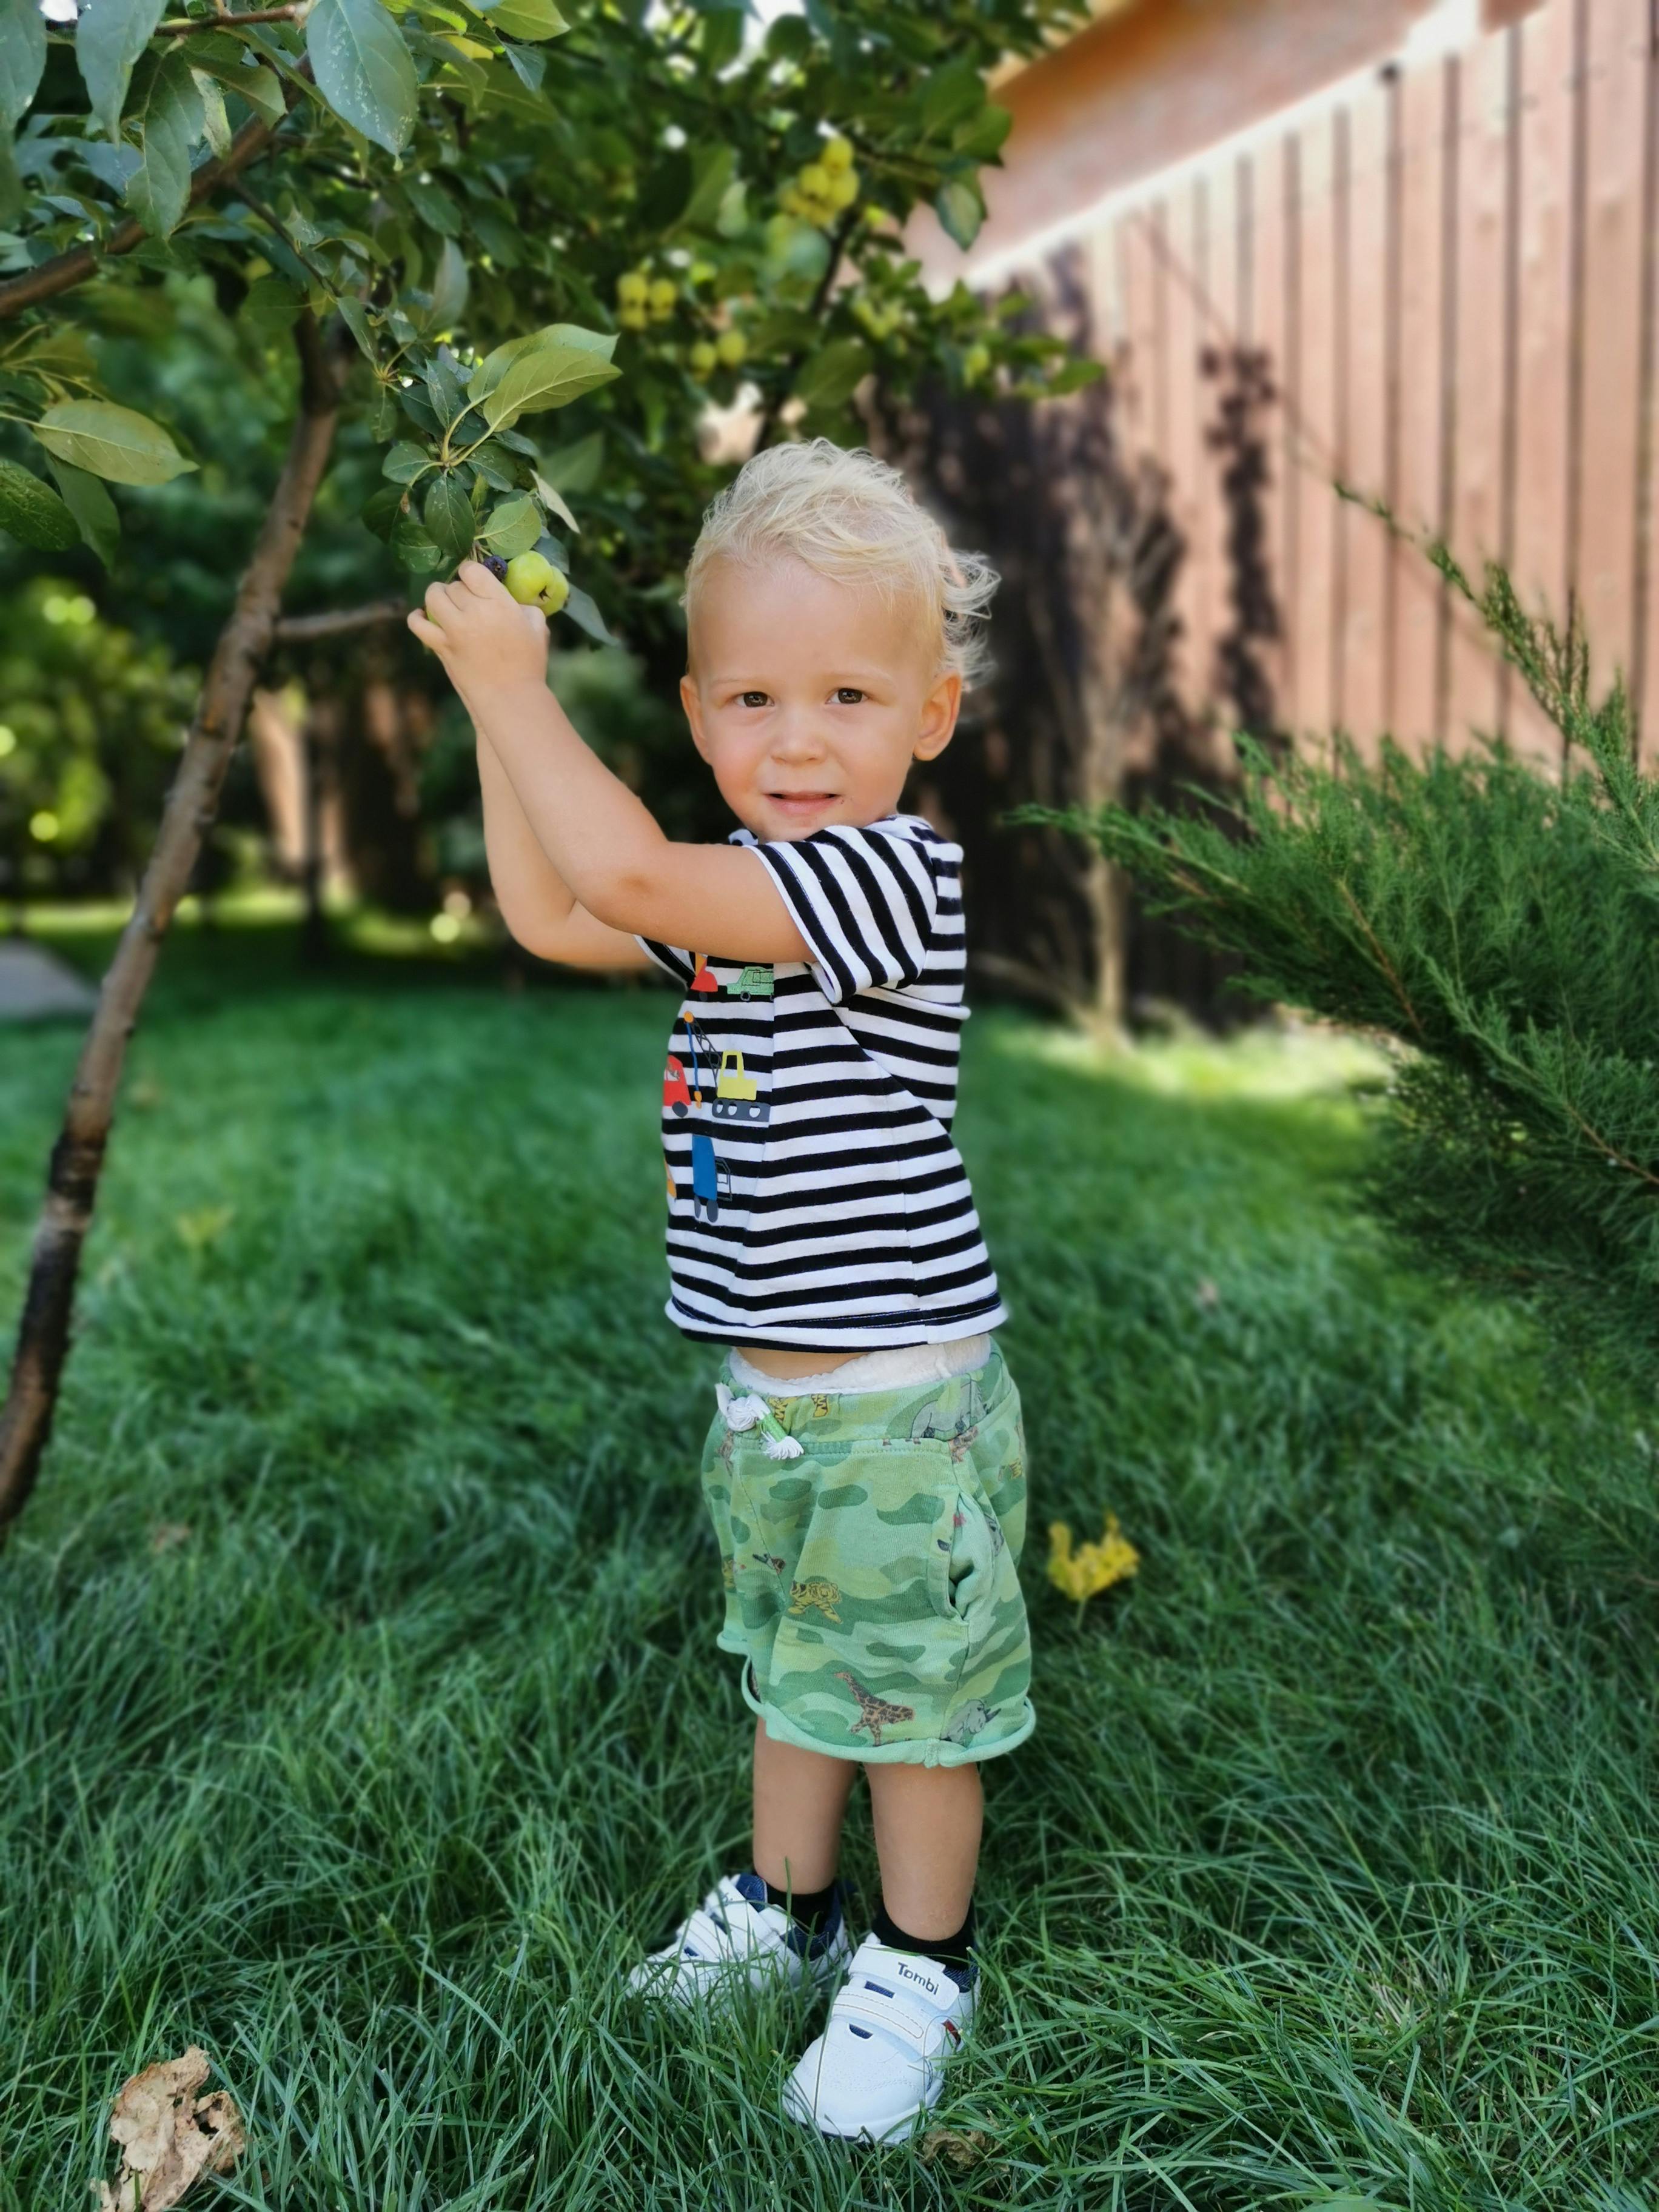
810,1907
956,1952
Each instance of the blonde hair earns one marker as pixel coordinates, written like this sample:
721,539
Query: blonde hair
851,517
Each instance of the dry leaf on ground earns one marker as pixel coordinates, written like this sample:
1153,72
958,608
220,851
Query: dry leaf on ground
958,2147
168,2134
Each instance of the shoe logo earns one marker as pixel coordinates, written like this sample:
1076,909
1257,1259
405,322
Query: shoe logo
926,1981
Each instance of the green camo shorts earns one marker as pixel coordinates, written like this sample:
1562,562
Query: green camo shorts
870,1582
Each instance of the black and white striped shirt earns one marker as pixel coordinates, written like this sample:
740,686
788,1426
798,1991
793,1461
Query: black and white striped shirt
815,1199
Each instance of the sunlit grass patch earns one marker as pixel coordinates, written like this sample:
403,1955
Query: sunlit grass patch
359,1715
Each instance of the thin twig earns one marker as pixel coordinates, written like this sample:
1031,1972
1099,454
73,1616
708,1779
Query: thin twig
179,26
301,629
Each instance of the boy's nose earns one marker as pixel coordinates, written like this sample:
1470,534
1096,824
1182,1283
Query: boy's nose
799,740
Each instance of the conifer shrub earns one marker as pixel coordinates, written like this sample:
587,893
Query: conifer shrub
1500,923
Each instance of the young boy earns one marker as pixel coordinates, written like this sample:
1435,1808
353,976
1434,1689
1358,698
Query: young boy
866,1471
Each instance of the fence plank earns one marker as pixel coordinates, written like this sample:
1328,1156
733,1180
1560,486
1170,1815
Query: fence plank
1421,96
1184,455
1615,98
1539,563
1311,444
1364,282
1483,327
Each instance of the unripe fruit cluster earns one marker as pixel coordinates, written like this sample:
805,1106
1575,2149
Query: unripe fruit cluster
532,578
643,299
724,352
824,188
878,322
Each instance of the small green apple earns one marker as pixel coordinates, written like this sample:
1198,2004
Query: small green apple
535,582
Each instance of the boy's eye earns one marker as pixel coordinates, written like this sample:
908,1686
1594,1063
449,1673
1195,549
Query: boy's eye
752,698
849,695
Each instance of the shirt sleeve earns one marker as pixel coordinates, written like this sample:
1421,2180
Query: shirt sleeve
670,958
864,900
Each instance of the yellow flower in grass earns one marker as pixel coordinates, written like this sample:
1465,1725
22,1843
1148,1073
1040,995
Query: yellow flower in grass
1083,1571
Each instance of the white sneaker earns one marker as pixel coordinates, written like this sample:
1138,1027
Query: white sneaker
736,1942
880,2061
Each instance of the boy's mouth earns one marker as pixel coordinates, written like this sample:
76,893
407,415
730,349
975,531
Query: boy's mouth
801,802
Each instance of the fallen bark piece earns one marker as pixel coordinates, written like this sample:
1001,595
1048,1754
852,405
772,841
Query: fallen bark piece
168,2134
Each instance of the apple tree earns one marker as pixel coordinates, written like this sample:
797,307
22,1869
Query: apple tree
464,221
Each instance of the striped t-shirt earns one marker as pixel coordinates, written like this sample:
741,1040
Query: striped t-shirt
815,1199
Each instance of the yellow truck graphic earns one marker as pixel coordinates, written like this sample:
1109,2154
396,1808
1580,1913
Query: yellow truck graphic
736,1095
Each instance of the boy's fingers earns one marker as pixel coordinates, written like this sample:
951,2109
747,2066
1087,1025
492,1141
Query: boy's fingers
427,632
477,578
436,601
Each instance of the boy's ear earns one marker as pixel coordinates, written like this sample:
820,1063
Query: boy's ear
692,703
938,718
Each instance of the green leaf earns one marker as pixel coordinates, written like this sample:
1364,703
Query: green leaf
585,616
354,316
95,510
449,286
980,137
33,512
528,66
271,306
434,206
961,210
114,442
832,376
363,68
513,526
534,19
665,192
382,510
11,185
448,517
109,37
413,550
950,95
168,116
444,390
214,121
221,57
711,173
22,58
549,497
575,467
497,466
405,462
550,374
1074,376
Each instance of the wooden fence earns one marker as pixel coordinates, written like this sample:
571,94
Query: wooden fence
1449,278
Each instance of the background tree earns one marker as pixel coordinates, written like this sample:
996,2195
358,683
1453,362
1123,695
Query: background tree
1501,925
459,226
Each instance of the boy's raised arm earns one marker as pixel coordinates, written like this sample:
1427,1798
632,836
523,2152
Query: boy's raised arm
537,904
601,845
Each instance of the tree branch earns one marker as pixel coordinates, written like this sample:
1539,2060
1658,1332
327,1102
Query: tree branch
181,27
302,629
65,271
774,407
77,1158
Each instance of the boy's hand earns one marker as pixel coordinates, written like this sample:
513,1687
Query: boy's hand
482,634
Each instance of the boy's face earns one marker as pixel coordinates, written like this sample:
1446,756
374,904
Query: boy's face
809,699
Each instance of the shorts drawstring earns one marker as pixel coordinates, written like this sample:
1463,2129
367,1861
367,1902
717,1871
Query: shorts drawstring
741,1413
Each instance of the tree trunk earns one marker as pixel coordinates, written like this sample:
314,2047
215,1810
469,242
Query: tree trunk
77,1158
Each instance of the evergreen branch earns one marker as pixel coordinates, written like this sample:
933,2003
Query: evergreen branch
1381,958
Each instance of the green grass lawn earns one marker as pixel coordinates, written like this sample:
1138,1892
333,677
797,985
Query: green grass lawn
362,1715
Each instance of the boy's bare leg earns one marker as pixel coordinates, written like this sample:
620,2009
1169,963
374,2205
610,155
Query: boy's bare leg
800,1798
927,1822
